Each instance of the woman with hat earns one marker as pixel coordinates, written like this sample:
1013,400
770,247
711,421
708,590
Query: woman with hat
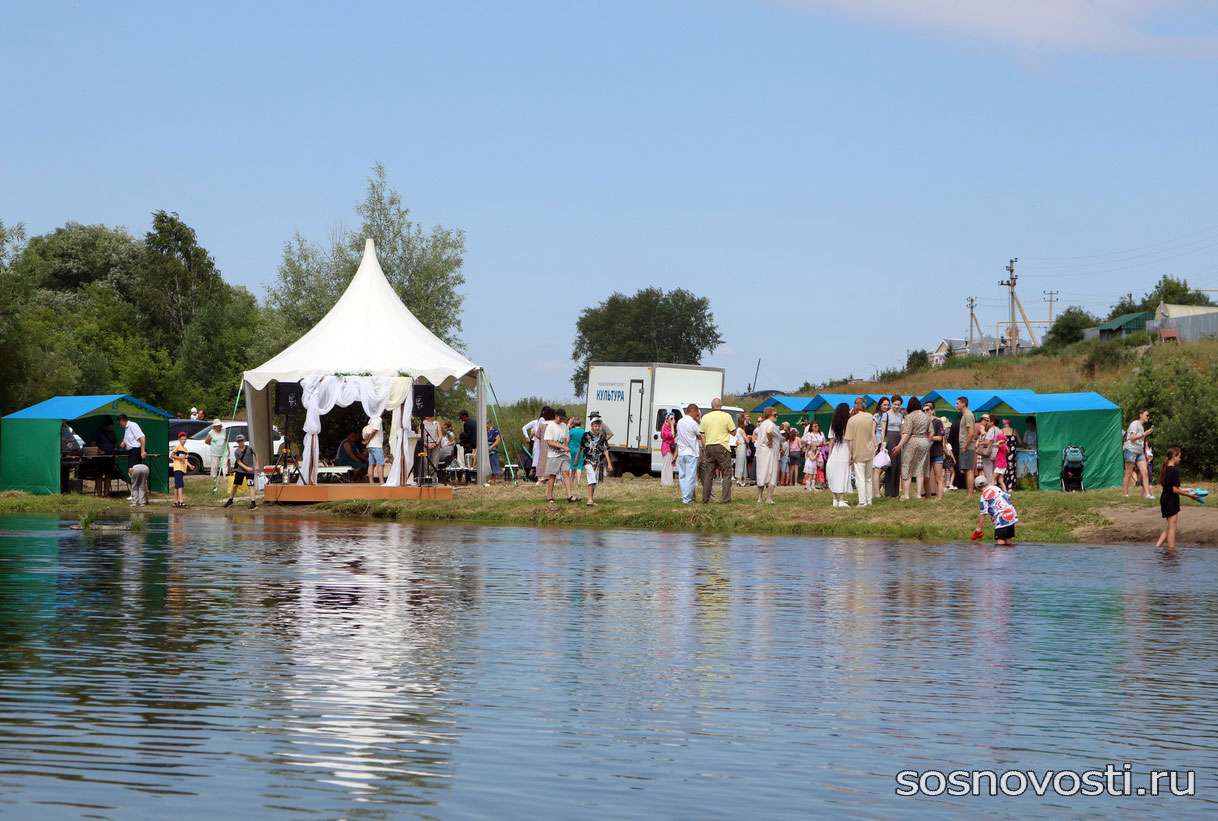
218,449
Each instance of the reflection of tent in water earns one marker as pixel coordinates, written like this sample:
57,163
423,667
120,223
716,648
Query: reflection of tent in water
30,450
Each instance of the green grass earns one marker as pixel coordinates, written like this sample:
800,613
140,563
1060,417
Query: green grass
641,504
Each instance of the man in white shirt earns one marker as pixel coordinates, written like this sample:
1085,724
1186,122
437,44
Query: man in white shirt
134,444
688,450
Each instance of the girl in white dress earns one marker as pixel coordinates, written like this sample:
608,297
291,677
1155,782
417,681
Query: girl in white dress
767,440
742,452
837,469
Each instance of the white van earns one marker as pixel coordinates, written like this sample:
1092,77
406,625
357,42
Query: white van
633,398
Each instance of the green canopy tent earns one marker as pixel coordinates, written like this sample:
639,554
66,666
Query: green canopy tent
1062,419
30,439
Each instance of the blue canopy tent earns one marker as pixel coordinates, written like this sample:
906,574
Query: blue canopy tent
945,398
796,404
1085,419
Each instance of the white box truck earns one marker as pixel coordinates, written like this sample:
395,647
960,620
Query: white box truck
633,398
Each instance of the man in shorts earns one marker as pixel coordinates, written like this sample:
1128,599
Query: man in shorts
996,504
968,439
374,440
245,465
558,454
595,447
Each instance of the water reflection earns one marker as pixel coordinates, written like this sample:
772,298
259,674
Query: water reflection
271,666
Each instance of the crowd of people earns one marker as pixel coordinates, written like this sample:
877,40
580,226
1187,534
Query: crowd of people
897,450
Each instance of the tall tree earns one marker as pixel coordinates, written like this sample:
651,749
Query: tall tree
424,267
650,326
74,255
1069,326
177,276
1174,292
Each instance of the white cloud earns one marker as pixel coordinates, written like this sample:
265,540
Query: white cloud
1094,25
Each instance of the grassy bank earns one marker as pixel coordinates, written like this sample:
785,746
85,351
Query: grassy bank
1098,516
642,504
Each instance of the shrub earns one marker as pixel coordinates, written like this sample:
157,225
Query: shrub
1105,356
1181,394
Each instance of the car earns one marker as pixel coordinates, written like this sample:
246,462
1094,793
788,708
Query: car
190,426
199,460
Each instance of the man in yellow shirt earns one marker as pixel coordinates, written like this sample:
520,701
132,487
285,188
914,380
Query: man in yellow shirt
717,430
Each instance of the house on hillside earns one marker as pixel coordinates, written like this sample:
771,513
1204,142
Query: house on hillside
983,346
1124,325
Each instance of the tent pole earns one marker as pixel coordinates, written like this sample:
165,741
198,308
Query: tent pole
507,456
237,398
484,462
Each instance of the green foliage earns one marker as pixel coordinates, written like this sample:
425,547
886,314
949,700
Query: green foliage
1181,395
423,267
74,256
1068,328
651,326
918,360
1168,289
1106,356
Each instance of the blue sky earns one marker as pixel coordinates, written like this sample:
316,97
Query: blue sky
837,177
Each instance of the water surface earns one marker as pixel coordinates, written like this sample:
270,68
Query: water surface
270,667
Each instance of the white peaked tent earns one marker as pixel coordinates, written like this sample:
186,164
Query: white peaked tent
370,349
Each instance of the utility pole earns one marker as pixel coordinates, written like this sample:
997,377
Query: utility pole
1013,326
971,302
1050,297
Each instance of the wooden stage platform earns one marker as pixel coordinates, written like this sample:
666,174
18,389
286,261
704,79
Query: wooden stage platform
307,494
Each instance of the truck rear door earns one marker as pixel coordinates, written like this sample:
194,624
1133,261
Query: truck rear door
637,422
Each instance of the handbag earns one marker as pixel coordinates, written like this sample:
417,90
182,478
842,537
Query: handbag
882,458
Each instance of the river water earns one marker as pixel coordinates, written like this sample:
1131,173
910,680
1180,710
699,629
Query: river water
254,667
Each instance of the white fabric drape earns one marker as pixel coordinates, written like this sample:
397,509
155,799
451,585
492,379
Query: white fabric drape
401,399
320,394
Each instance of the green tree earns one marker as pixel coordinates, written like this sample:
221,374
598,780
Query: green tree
1069,326
176,277
424,267
650,326
918,360
218,345
1174,292
74,255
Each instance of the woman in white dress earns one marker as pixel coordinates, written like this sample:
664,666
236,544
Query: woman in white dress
767,440
837,469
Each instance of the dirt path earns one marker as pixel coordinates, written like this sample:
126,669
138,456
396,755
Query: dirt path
1198,525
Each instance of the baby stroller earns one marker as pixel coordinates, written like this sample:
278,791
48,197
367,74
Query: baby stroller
526,464
1073,460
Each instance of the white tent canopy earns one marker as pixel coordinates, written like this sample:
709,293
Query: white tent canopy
368,335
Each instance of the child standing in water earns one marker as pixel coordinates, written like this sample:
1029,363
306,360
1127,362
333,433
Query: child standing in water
1169,498
996,504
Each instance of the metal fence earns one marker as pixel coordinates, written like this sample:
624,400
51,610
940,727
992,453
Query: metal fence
1190,328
